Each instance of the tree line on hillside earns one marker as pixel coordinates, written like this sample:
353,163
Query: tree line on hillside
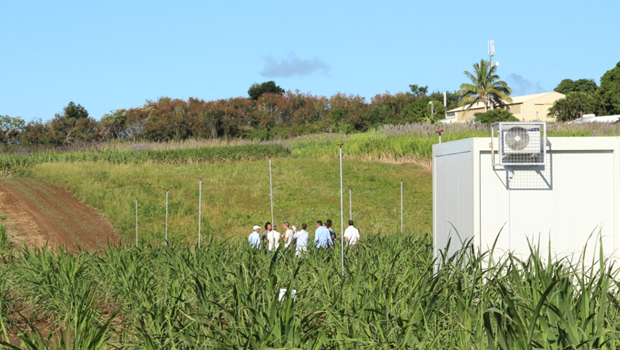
267,113
584,96
270,111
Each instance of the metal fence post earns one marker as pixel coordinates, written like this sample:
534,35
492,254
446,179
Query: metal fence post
136,222
401,205
341,214
199,208
271,191
350,205
166,237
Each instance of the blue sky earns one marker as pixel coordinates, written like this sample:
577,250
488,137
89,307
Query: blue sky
113,54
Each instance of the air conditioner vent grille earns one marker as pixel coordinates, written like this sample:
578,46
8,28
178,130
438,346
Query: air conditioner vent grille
521,143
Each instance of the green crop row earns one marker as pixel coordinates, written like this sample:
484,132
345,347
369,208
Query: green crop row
408,142
390,295
172,156
402,143
414,142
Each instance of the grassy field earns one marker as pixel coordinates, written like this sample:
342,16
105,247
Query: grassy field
394,143
236,195
225,296
139,156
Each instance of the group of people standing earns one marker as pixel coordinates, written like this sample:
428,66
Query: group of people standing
324,236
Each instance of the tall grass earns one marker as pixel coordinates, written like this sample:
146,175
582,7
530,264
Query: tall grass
405,142
413,142
390,296
139,156
4,238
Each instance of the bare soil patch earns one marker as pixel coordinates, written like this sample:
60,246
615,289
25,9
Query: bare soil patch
36,213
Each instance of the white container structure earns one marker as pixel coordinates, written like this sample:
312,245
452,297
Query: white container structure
570,204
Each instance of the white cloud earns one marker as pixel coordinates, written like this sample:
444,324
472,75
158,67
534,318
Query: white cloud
292,65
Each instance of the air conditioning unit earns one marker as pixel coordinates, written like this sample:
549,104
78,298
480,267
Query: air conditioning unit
521,143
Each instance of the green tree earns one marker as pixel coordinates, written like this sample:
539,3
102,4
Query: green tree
452,99
609,91
581,85
267,87
496,115
418,90
485,87
420,112
112,125
35,133
573,106
10,128
73,125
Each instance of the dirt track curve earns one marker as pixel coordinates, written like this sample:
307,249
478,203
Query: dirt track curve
35,212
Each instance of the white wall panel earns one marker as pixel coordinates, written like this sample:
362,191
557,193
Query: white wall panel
454,188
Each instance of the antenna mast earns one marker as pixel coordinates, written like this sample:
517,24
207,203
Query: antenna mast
491,49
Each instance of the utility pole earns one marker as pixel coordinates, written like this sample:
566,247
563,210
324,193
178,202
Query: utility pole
445,104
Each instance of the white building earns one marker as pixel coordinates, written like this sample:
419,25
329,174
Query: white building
570,203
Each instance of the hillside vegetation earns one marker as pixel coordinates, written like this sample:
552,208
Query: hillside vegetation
236,188
236,195
395,143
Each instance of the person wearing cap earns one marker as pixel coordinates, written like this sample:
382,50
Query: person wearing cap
254,238
288,235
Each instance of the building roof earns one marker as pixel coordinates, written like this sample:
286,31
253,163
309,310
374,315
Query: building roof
591,118
515,100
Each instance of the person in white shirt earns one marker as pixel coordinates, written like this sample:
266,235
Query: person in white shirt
302,240
273,237
254,238
288,235
351,235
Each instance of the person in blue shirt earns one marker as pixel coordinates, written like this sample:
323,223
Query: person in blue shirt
254,238
322,237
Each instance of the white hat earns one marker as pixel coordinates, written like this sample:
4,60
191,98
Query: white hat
256,227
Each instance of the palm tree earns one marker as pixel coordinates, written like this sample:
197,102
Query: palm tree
485,87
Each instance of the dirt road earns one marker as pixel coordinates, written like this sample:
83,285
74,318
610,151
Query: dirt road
35,212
